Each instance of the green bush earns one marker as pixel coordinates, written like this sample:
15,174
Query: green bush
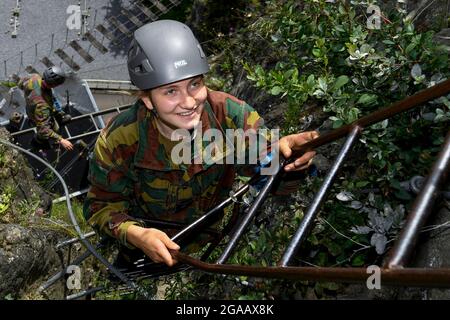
328,57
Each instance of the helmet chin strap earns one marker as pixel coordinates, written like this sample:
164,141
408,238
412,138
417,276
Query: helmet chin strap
159,121
153,110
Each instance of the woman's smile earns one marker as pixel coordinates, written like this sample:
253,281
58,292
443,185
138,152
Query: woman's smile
188,114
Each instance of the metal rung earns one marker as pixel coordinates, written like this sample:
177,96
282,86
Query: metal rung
95,43
175,2
132,18
68,60
30,69
72,195
94,122
160,6
116,23
81,51
91,116
146,11
69,136
46,61
104,31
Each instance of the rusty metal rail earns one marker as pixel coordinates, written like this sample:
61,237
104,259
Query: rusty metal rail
406,104
417,277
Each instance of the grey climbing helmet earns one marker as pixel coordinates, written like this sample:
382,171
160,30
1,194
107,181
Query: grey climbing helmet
163,52
54,76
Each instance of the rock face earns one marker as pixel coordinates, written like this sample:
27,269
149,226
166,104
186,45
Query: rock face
26,255
17,176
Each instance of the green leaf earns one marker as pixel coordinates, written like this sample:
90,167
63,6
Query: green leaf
332,286
353,114
403,195
395,184
288,73
340,81
333,248
259,71
410,47
310,81
313,239
323,84
445,101
337,123
367,99
365,48
316,52
339,28
276,90
291,74
358,261
362,184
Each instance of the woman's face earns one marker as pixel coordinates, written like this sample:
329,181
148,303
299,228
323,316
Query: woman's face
179,105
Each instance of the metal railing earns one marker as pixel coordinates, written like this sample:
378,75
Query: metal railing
94,117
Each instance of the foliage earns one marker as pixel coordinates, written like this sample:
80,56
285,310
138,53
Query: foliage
26,211
176,13
327,54
223,17
6,199
8,84
59,218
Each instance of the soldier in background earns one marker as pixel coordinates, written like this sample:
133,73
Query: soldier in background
43,109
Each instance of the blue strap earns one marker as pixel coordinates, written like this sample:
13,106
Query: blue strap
262,164
57,104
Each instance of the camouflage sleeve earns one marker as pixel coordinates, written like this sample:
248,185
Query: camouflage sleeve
44,122
108,200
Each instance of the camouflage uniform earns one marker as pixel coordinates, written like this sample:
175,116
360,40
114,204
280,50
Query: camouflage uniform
132,175
40,108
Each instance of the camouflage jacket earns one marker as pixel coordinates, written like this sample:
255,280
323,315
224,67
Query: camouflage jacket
132,175
40,107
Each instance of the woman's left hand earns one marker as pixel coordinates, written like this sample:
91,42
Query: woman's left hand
288,142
